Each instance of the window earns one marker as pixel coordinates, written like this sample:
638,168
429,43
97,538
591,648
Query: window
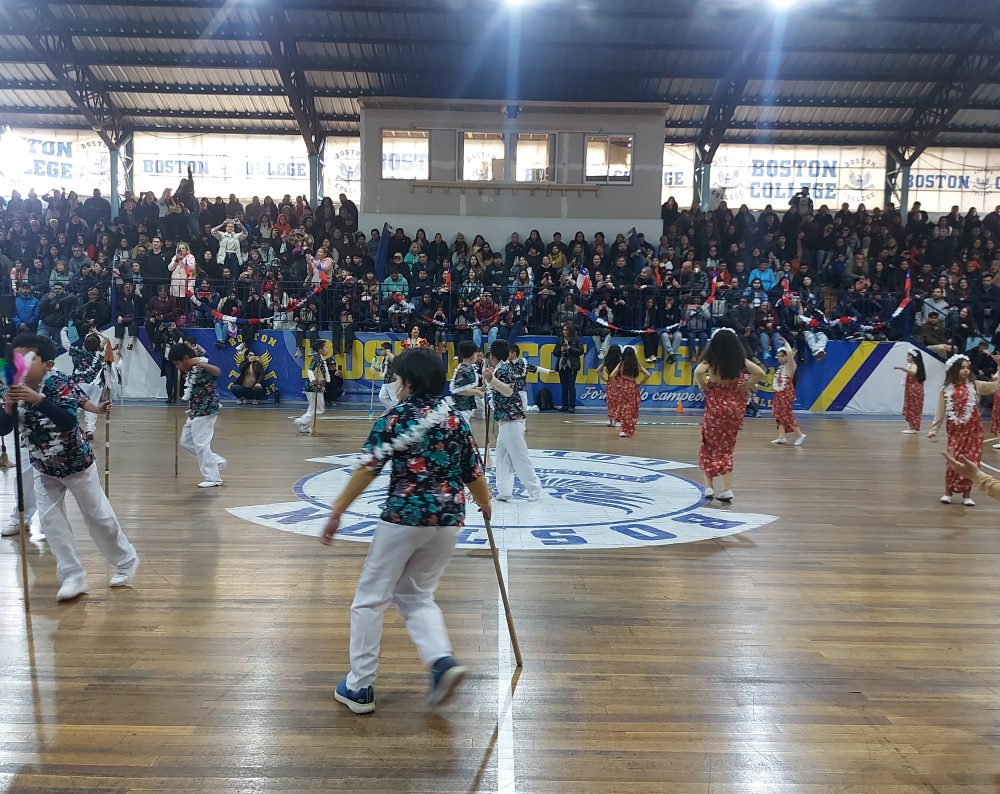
483,157
405,154
535,157
609,158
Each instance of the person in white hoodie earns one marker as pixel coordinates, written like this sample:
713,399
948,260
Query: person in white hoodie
230,249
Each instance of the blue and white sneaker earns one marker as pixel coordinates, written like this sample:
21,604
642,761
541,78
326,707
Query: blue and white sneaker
446,674
360,701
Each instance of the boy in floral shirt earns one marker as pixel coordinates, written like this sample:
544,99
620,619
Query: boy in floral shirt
203,411
512,450
465,381
48,403
434,458
88,364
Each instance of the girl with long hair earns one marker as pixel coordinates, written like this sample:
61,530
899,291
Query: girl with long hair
995,413
631,376
784,397
958,404
605,374
913,391
727,380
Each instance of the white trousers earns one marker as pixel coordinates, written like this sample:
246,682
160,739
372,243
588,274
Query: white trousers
196,438
93,392
28,476
315,405
524,399
98,515
481,406
404,565
387,395
467,415
816,340
512,458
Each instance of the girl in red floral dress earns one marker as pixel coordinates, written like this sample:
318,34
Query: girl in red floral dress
727,379
958,403
611,360
784,397
995,414
913,391
630,376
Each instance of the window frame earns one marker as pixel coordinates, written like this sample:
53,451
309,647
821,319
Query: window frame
413,134
608,179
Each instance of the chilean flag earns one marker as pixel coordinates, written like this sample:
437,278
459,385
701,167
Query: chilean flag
906,296
583,282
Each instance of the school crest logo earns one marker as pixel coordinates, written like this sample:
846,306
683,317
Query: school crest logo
859,180
984,182
346,169
727,181
590,501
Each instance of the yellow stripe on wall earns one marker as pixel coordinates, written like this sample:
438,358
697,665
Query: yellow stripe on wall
842,378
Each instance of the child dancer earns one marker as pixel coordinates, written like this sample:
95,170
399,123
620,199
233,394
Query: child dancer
319,374
88,364
387,393
465,382
433,458
608,366
511,448
784,397
521,369
727,378
203,411
48,404
630,376
958,402
995,413
913,392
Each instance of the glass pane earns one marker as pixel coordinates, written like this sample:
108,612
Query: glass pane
597,159
620,158
535,157
405,154
482,156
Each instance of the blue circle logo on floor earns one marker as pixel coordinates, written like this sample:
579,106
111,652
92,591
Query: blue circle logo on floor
589,501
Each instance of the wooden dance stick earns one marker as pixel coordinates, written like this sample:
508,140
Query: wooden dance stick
315,410
179,395
23,534
109,359
503,592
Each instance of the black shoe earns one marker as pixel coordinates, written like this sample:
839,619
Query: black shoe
572,410
564,410
171,400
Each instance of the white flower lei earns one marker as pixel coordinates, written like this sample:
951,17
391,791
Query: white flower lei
970,404
411,437
781,378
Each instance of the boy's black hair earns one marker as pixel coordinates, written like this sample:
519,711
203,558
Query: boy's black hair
467,349
92,343
500,350
386,345
515,349
179,352
422,369
45,348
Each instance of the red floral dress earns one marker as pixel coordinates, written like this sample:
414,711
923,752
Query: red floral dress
784,398
612,395
995,417
964,437
627,404
913,402
725,404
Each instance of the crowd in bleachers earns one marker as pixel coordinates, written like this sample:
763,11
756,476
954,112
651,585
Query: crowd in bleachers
800,272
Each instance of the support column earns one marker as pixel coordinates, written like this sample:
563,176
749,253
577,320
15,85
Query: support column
897,183
115,196
316,175
702,181
129,163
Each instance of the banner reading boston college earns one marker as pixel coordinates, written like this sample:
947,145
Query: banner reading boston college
761,175
943,178
46,159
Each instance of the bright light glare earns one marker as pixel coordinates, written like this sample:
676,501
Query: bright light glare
516,3
782,4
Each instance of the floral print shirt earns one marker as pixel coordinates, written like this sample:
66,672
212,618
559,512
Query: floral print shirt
57,453
427,481
507,409
86,365
321,374
203,399
465,376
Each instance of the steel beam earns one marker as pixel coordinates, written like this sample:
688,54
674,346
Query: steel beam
53,46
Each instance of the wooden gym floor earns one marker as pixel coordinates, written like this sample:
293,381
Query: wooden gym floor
852,645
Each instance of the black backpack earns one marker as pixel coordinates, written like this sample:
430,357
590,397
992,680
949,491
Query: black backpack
544,400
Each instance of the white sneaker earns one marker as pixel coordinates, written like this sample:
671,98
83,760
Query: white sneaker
946,499
74,587
532,409
780,441
125,574
996,446
13,528
910,432
623,434
967,501
535,497
800,440
503,498
725,496
210,484
709,493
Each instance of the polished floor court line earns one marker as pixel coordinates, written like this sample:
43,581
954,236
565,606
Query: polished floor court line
850,645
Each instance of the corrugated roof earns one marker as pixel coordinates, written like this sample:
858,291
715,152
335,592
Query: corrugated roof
854,72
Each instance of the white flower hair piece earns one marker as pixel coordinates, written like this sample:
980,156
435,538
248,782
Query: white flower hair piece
954,360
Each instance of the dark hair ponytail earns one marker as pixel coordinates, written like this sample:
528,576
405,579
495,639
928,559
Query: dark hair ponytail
918,361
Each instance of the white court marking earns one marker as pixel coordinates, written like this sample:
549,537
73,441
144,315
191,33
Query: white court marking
590,501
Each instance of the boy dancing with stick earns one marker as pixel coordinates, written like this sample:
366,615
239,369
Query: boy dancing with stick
203,411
